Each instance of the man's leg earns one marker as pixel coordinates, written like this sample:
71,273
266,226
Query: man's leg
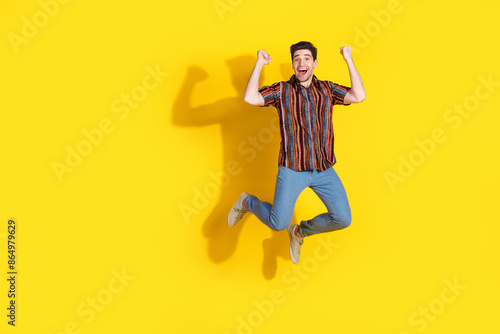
289,185
329,188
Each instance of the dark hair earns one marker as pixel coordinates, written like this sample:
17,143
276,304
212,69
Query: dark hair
304,46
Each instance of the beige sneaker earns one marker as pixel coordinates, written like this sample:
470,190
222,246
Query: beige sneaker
295,243
237,211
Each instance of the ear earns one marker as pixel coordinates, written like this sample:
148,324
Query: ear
315,63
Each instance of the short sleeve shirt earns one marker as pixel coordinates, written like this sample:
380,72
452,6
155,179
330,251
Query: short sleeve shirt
306,125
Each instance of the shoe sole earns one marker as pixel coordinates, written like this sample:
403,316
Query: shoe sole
291,256
229,215
290,236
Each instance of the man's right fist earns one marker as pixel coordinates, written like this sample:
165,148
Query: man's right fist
263,57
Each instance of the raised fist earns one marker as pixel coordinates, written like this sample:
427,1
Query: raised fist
264,57
346,52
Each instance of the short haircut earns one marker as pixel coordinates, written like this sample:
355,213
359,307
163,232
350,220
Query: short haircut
304,46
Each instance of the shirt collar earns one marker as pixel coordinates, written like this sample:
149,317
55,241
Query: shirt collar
294,82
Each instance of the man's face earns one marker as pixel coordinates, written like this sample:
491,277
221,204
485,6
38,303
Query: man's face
303,65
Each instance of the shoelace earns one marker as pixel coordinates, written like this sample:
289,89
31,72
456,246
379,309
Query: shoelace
239,213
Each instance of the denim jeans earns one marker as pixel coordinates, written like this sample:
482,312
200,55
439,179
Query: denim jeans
289,185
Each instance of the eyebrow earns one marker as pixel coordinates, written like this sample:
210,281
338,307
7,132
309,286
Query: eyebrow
306,55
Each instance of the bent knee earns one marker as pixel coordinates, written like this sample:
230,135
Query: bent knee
342,221
279,224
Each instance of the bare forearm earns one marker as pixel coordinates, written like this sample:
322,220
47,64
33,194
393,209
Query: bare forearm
252,95
357,88
357,92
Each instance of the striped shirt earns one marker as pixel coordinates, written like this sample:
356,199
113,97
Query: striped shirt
306,125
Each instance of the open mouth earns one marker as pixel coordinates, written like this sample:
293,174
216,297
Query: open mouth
302,71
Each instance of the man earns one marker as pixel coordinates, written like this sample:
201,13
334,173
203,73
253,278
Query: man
304,106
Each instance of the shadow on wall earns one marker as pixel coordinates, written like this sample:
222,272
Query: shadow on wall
250,140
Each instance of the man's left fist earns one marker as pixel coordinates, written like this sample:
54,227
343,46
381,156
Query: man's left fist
346,51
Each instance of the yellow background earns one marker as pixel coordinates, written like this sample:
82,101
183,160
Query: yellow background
144,202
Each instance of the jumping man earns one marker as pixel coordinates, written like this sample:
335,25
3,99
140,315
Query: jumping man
304,105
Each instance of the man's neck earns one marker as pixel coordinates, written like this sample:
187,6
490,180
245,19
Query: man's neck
305,84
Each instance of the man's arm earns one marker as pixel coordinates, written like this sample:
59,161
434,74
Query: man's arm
357,92
252,95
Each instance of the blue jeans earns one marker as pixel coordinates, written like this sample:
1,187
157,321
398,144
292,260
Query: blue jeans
289,185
